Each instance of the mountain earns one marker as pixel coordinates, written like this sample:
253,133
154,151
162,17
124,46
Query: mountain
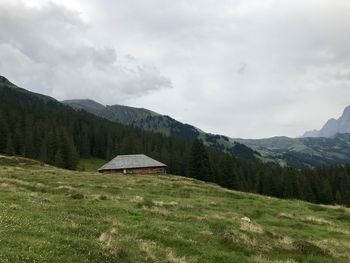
333,126
328,146
311,151
313,133
44,129
303,152
139,117
8,87
41,128
87,105
151,121
23,109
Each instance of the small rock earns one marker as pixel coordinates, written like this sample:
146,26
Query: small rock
246,219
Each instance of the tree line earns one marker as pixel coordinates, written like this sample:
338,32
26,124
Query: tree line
41,128
326,185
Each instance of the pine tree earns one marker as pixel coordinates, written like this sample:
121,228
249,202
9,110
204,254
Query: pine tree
85,147
43,152
326,196
199,166
9,145
338,197
19,142
29,138
58,160
3,134
288,184
69,153
52,146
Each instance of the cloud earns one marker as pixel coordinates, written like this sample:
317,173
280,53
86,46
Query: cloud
243,68
47,49
297,54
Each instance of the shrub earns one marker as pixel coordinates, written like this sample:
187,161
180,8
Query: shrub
77,196
103,197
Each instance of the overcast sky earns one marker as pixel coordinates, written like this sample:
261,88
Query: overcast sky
242,68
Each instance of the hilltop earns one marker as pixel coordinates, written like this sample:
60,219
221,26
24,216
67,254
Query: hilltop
52,215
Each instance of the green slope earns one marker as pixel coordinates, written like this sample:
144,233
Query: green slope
304,152
53,215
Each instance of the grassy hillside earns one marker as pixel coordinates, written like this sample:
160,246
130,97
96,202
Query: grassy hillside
53,215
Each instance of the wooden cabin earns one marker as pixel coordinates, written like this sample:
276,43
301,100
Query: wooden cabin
133,164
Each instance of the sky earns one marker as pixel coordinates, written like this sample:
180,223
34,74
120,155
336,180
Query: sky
242,68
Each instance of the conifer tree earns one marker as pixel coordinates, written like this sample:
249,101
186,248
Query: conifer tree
3,134
85,147
58,160
69,153
199,166
9,145
326,196
43,152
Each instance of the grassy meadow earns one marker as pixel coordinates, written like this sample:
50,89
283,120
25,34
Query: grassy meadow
53,215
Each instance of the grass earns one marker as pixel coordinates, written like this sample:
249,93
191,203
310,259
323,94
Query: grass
91,165
53,215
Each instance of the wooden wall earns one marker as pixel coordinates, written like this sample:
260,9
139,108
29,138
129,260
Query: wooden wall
146,170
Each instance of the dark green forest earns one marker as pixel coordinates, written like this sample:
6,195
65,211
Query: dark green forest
39,127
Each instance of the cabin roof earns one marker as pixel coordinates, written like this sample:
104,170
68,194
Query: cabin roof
131,161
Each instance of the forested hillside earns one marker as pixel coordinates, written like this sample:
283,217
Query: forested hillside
49,131
151,121
41,128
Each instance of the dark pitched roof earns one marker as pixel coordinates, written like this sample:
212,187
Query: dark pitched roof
131,161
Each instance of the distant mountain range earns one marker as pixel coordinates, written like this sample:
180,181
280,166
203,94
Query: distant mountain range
295,152
303,152
155,122
333,126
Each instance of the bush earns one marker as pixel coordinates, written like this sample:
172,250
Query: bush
103,197
77,196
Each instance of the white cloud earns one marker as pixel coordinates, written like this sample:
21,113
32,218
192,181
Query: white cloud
244,68
46,48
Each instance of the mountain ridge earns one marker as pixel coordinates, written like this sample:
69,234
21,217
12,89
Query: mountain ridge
298,152
332,126
305,152
295,152
152,121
